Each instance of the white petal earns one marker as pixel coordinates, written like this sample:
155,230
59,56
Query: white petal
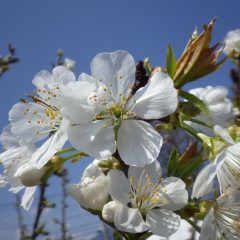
138,143
12,160
42,79
116,69
175,193
91,193
156,237
69,63
222,110
129,220
235,149
62,75
7,139
154,170
202,185
157,99
29,175
208,231
24,121
228,172
92,170
73,99
28,197
119,186
109,211
230,199
215,94
220,131
44,153
198,92
93,138
163,222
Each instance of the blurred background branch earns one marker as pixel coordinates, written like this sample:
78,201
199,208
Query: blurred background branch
8,59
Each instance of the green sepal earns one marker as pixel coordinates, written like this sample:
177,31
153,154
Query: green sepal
194,100
170,61
190,166
181,124
172,164
47,174
147,66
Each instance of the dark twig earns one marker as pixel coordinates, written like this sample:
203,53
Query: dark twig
64,204
41,206
235,76
8,59
21,225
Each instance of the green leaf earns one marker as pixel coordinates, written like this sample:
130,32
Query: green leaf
172,165
191,165
181,124
170,61
194,100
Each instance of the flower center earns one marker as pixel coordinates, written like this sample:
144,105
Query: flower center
52,114
117,110
146,194
50,117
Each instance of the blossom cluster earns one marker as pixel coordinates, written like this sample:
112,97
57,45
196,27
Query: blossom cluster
105,115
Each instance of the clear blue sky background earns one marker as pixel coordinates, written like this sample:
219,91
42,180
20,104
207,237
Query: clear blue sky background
85,28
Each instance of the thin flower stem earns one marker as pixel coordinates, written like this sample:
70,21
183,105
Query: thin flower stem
40,208
74,155
66,150
193,224
201,123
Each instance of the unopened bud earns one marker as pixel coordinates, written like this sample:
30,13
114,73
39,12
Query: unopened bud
30,176
57,162
108,211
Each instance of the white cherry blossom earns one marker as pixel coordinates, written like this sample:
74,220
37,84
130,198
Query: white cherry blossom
232,42
226,167
18,172
34,121
69,63
145,201
104,115
222,221
219,106
91,192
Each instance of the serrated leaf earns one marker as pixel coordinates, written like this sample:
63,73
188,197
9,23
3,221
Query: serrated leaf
172,164
170,61
194,100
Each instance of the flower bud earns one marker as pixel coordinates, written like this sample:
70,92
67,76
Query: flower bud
91,192
232,44
69,63
109,210
30,176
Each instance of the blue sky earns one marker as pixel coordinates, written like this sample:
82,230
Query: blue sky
83,29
